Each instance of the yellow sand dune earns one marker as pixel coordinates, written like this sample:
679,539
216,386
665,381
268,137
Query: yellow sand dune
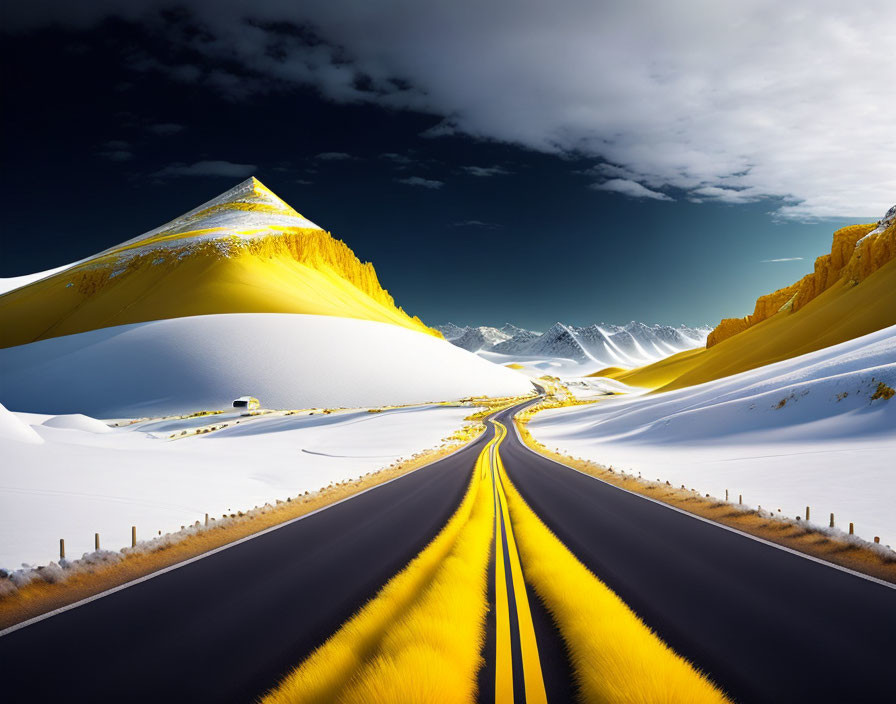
850,307
252,260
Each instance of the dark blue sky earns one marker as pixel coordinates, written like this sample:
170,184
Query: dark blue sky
103,140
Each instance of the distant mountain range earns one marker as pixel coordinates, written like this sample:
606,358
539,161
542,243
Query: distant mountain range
600,344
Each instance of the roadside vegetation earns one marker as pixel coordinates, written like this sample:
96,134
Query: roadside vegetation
615,656
419,639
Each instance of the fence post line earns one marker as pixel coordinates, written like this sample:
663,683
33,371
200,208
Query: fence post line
133,536
96,541
62,548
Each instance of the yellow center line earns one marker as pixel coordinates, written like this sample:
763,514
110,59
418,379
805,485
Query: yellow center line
532,675
503,659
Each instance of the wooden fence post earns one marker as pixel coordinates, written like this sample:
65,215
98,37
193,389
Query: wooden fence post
807,513
832,520
206,519
61,548
740,498
133,536
726,495
96,541
851,529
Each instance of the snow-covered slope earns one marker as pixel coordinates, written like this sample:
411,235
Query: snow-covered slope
204,362
73,483
572,350
805,431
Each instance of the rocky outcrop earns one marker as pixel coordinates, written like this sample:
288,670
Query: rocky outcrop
856,253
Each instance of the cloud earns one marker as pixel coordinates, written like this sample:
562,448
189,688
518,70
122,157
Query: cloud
485,171
165,129
476,223
782,259
401,160
629,188
117,150
419,181
334,156
208,168
732,102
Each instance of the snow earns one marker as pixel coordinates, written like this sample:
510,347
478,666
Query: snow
80,482
568,350
180,365
77,421
13,429
802,432
13,282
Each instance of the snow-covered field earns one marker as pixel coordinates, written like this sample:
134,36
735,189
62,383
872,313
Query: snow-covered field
71,476
802,432
180,365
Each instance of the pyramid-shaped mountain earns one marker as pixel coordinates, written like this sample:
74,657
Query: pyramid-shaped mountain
245,251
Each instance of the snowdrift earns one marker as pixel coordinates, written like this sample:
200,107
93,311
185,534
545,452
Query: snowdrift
204,362
813,430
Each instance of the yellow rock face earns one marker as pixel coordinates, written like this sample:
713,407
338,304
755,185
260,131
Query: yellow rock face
851,293
250,261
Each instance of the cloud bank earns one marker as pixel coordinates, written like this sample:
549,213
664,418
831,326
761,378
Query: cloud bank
731,102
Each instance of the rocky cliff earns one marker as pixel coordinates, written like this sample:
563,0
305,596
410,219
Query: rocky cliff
856,253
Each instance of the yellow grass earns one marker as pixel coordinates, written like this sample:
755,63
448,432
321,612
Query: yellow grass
615,656
843,312
419,639
299,271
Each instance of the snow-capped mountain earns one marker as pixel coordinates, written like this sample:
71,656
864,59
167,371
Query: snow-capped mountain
595,346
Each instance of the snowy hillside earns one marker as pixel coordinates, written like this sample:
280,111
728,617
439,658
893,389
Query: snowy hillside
70,482
204,362
805,431
572,350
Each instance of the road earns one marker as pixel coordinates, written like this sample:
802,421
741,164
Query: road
226,628
765,624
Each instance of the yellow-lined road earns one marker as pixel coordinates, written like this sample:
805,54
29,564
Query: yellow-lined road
506,555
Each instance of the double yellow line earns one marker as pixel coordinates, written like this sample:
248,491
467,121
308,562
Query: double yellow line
532,676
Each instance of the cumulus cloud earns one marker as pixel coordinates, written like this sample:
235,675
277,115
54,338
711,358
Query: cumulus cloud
735,102
208,168
420,181
485,171
629,188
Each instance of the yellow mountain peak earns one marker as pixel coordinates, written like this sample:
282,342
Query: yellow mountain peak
244,251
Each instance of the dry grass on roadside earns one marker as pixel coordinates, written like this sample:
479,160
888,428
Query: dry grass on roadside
419,639
40,596
852,554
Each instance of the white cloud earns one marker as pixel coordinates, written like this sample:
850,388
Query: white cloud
208,168
725,101
782,259
334,156
485,171
629,188
419,181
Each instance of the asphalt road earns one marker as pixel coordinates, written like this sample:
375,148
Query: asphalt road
226,628
765,624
